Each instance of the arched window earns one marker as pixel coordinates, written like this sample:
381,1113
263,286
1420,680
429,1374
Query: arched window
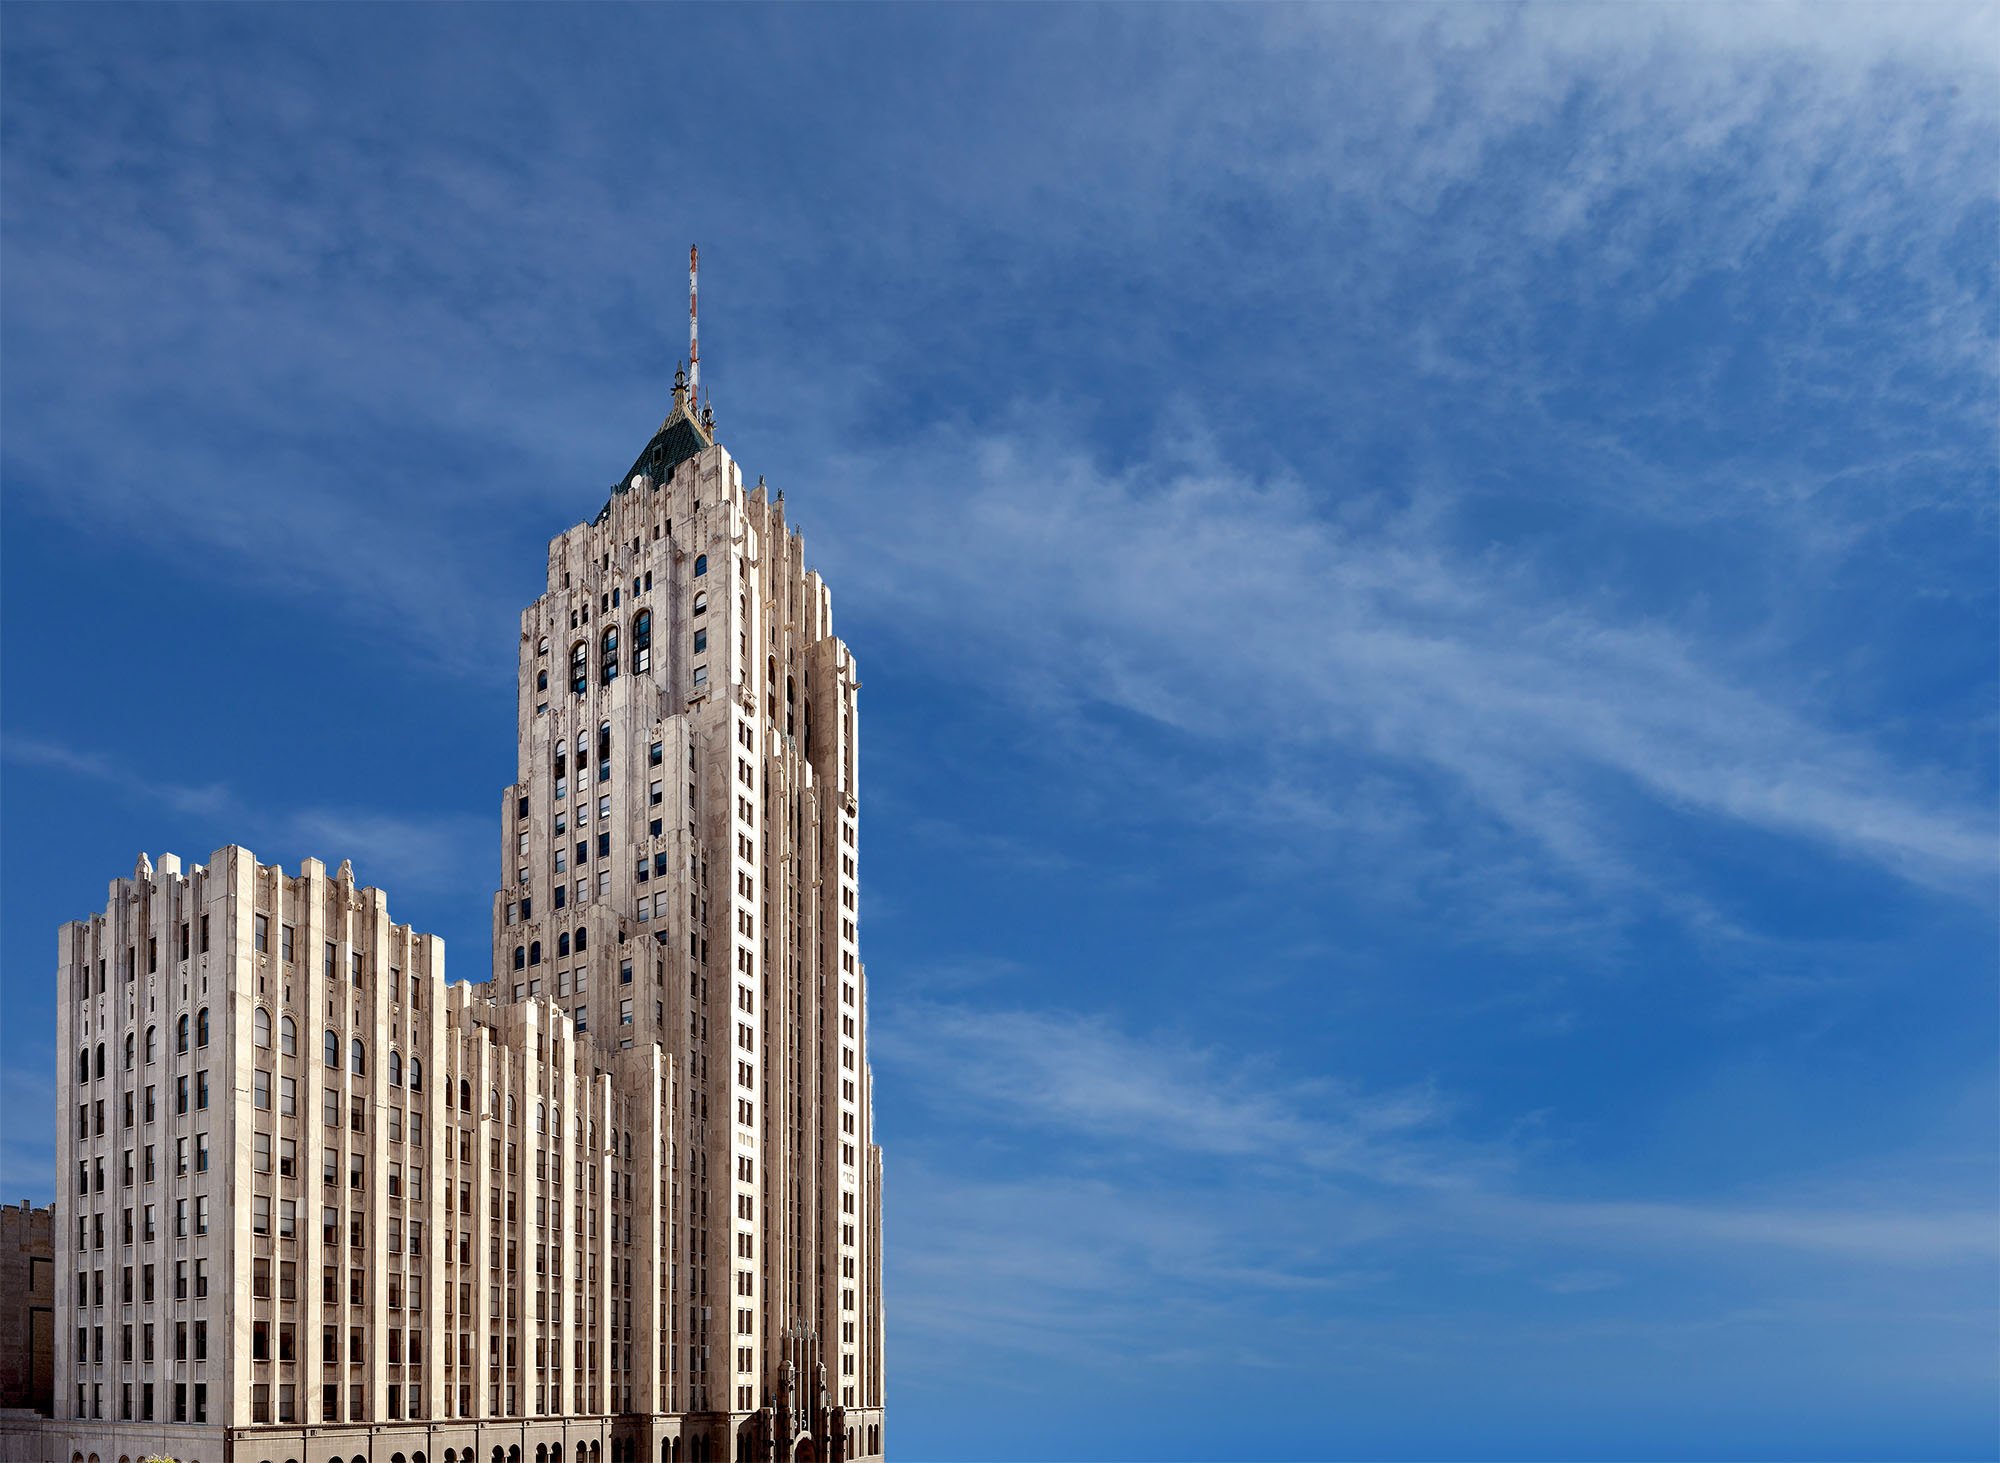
562,944
579,668
541,680
260,1028
603,745
395,1069
541,1117
333,1051
700,565
182,1039
100,1059
534,952
152,1044
464,1095
201,1027
607,656
701,604
131,1049
357,1058
82,1066
582,940
520,956
288,1036
416,1074
510,1109
642,642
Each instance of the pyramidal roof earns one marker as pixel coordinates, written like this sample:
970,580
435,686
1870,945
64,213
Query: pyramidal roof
679,437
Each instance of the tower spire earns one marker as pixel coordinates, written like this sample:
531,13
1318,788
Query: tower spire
694,332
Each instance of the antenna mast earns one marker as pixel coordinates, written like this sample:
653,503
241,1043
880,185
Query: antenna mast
694,333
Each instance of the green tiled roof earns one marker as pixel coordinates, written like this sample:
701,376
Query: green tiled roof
679,438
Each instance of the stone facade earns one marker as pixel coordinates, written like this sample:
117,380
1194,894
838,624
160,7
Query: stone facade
27,1309
620,1202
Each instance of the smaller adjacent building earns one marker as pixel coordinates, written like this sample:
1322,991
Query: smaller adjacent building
28,1309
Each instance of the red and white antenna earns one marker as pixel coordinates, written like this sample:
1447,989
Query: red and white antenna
694,333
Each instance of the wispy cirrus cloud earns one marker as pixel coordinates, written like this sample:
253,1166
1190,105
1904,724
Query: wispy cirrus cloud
1150,1162
395,851
1213,604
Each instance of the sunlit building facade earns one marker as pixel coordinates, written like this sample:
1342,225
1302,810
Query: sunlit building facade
620,1202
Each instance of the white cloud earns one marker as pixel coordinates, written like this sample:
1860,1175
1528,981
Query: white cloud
440,853
1325,1144
1228,609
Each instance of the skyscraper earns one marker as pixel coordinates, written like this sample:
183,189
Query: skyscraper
621,1202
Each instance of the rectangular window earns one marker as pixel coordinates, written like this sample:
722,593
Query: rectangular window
261,934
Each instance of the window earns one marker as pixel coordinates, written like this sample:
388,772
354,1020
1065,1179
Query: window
701,675
288,1036
700,568
607,660
395,1069
201,1027
285,943
182,1038
261,934
700,641
260,1027
333,1051
579,671
416,1085
642,642
358,1058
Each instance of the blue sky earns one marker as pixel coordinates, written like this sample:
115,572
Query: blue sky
1425,583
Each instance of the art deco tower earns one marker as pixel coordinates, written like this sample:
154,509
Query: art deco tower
621,1203
680,855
